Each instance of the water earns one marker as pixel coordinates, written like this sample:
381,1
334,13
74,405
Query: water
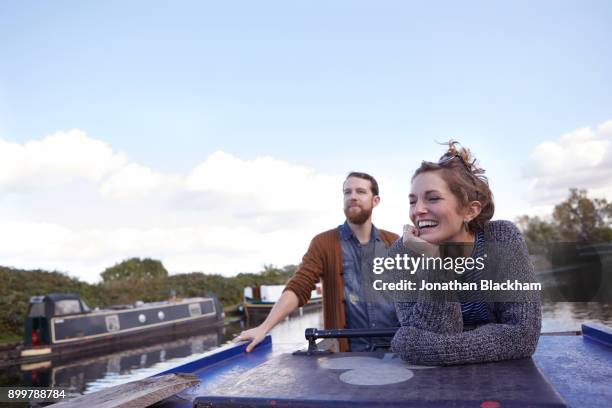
89,375
567,316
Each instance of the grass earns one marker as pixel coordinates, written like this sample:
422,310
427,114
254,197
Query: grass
8,338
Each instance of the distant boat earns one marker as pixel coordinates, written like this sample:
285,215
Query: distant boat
258,300
62,323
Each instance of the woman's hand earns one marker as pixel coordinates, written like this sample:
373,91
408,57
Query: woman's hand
414,243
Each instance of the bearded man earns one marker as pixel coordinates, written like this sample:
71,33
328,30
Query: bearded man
340,258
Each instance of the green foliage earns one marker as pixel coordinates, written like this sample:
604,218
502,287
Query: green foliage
19,285
127,282
135,268
578,218
538,234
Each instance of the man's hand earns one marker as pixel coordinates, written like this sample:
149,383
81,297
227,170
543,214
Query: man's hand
286,304
254,335
416,244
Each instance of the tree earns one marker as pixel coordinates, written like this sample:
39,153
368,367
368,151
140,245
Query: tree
580,218
272,273
135,268
539,235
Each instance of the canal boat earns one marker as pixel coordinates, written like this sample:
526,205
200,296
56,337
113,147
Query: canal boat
259,300
61,324
568,369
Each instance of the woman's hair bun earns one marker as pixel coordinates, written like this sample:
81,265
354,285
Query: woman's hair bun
455,149
465,179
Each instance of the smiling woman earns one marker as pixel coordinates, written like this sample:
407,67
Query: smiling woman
451,206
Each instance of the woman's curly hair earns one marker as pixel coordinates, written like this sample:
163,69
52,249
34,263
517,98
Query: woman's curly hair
465,179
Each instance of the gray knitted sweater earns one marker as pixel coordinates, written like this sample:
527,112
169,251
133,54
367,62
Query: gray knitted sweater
432,332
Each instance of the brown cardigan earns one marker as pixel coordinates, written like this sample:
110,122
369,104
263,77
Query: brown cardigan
323,261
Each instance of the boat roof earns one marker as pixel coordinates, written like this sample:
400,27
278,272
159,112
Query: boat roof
378,379
54,297
568,370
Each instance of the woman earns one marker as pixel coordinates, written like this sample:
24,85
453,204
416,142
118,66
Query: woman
451,203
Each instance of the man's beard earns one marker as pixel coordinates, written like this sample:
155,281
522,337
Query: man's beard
358,218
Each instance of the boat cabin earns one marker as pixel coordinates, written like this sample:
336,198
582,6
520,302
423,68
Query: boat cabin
61,323
40,311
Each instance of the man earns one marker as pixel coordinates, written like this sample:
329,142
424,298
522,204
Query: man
340,258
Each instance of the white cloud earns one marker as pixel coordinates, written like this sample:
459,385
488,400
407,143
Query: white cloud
225,249
263,184
58,158
581,158
226,215
135,181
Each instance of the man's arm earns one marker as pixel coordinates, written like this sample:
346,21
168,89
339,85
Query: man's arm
286,304
296,293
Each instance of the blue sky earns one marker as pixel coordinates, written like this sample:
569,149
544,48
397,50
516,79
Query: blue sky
328,85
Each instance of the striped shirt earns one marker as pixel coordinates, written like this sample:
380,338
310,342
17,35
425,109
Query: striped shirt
475,313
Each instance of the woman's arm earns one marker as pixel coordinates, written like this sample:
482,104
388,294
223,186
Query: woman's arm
424,343
404,304
431,333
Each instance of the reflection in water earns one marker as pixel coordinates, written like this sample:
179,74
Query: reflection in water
567,316
575,272
292,330
92,374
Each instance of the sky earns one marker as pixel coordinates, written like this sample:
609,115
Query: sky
215,136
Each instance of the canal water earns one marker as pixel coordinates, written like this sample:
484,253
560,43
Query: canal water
92,374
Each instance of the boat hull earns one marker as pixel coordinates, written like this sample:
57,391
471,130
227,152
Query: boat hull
86,334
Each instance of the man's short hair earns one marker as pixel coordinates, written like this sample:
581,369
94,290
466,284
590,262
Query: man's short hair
365,176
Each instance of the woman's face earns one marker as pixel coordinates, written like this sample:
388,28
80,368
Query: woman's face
434,210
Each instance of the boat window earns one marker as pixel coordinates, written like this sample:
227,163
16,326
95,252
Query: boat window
195,309
68,306
85,307
112,323
37,310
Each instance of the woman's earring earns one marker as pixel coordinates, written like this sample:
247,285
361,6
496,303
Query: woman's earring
465,225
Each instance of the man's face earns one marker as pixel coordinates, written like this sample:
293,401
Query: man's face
359,201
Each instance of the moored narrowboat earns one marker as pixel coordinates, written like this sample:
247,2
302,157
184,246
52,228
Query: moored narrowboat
259,300
63,324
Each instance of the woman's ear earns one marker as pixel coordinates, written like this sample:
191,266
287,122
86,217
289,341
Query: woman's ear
473,210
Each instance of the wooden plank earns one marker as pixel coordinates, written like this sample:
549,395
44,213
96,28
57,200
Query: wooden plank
134,394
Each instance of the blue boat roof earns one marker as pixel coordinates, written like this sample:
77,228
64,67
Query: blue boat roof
579,367
382,380
565,371
222,365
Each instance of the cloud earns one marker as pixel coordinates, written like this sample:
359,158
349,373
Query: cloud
226,215
135,181
581,158
264,185
55,159
85,252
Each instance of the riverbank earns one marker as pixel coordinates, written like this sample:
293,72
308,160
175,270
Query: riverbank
19,285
